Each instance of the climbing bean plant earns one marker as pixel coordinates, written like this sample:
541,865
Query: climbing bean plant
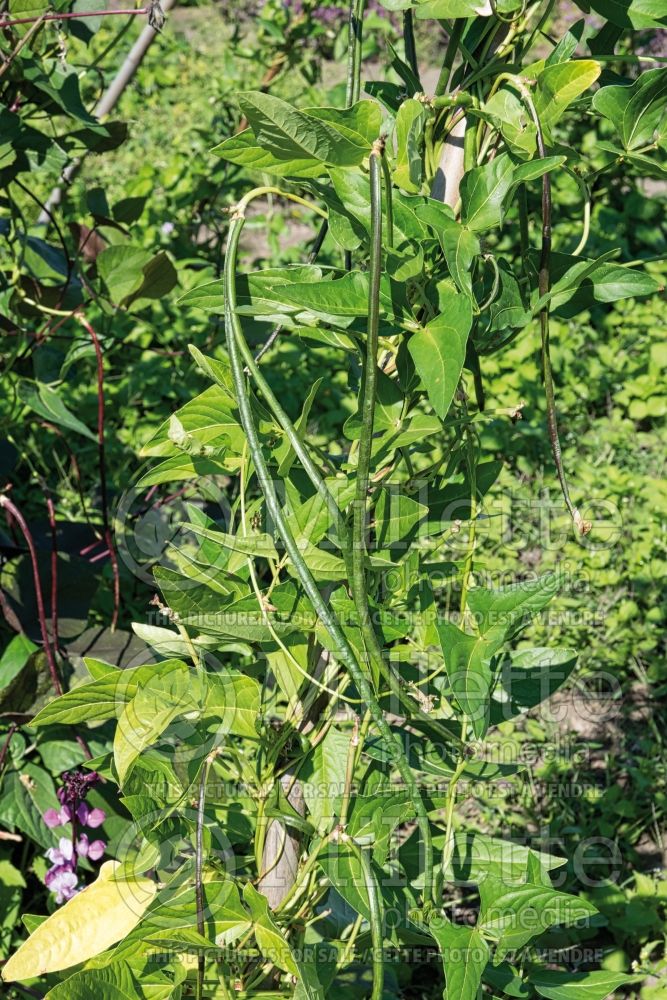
329,667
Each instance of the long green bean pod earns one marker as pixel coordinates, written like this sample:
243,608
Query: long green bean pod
234,334
376,908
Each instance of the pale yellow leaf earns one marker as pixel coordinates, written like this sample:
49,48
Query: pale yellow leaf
88,924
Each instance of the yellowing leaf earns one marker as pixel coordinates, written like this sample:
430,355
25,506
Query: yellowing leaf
87,925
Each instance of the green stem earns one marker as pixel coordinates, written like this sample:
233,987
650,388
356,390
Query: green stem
354,39
376,913
450,55
349,772
321,607
389,200
544,287
358,581
199,866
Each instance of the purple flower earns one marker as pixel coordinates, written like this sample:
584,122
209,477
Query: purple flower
57,817
63,853
93,851
75,786
166,228
90,817
62,881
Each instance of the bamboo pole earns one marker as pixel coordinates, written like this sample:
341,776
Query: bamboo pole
104,106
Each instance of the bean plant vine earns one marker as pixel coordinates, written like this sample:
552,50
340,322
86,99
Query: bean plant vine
331,665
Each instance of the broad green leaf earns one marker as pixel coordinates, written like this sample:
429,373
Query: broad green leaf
396,518
324,777
85,926
560,84
234,700
438,9
513,914
25,795
341,866
208,419
245,619
438,351
467,662
509,113
270,939
104,698
259,545
14,658
243,150
499,611
527,677
460,248
636,111
630,13
46,402
483,191
157,703
464,955
362,122
131,274
410,122
578,985
182,467
171,918
117,981
290,134
477,856
577,282
536,168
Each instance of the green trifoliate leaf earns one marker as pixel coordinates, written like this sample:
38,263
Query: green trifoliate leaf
270,939
438,351
464,956
636,111
410,122
46,402
630,13
578,985
513,914
243,150
483,191
153,708
289,134
559,85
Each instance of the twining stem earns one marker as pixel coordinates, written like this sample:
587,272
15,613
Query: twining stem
376,914
472,473
358,581
349,772
75,16
199,868
442,85
13,510
106,524
388,200
543,286
355,29
36,25
321,607
54,571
